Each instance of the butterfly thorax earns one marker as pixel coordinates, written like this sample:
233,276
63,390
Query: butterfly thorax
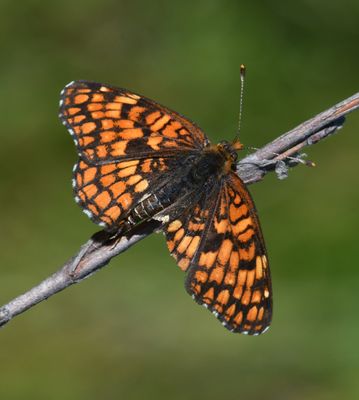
197,174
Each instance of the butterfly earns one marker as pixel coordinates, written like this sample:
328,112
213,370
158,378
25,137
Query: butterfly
139,162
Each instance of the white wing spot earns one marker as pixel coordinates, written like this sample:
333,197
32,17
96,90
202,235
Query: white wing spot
69,84
265,329
88,213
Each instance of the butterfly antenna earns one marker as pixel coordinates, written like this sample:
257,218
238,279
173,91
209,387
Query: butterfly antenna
236,140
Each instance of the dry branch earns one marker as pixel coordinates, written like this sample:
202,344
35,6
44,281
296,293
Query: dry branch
278,155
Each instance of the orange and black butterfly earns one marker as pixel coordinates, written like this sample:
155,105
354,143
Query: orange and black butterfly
140,161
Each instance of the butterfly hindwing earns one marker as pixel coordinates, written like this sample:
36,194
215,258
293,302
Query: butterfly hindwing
225,258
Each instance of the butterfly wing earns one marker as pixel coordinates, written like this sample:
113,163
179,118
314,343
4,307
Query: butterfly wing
128,146
220,245
111,124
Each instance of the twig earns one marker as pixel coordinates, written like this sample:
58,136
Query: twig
101,248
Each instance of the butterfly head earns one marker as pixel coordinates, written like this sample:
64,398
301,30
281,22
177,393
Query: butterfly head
229,152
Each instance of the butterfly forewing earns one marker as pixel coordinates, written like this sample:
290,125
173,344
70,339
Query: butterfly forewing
111,124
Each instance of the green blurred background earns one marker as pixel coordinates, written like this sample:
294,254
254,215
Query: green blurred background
131,331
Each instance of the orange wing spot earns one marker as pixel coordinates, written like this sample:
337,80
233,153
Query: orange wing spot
119,148
170,144
170,132
90,190
79,180
170,245
191,249
82,165
97,97
174,226
113,106
230,279
88,127
124,123
94,107
247,235
126,164
219,308
112,114
197,289
127,171
86,140
107,169
73,110
78,118
260,314
151,118
259,267
242,225
113,212
134,133
248,254
132,180
146,167
101,151
89,174
125,200
125,100
179,234
238,318
160,123
154,142
184,264
223,297
97,114
209,296
252,314
118,188
246,298
250,278
193,226
107,124
225,251
230,311
135,113
184,244
237,200
234,261
217,275
103,199
141,186
108,136
221,227
237,292
207,259
201,276
81,98
84,90
242,277
183,132
243,209
107,180
256,296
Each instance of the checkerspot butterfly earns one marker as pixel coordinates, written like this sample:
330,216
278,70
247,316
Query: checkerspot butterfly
140,161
